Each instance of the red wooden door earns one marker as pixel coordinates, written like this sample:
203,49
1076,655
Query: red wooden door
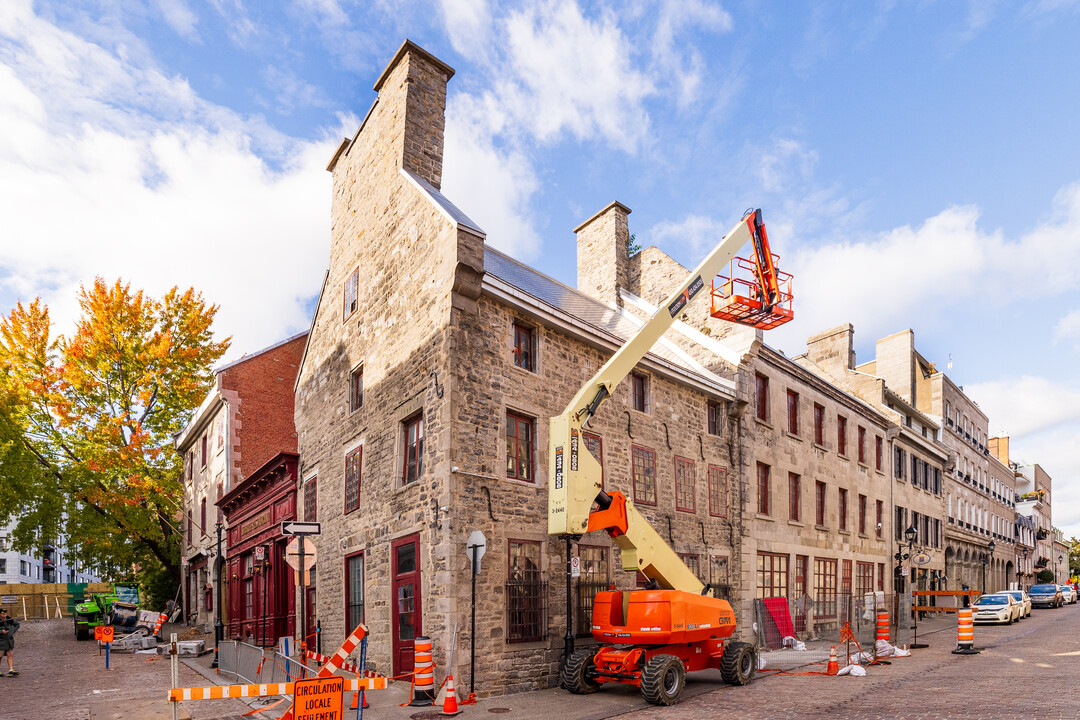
405,558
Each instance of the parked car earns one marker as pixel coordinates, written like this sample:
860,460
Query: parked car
1021,597
1046,596
1068,593
996,608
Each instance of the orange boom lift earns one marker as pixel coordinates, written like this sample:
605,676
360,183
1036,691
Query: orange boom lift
654,636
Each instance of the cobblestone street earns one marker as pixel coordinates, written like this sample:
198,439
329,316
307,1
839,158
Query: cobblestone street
1027,670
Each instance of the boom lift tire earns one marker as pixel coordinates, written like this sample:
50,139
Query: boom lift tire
579,673
738,664
663,680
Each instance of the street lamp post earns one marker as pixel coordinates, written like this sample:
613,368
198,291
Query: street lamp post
989,546
1020,570
911,534
219,627
1060,558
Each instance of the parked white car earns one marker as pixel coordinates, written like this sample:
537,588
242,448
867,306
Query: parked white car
996,608
1021,597
1068,593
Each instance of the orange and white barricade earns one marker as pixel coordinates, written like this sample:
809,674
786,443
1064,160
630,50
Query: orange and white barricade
882,626
224,692
965,633
423,673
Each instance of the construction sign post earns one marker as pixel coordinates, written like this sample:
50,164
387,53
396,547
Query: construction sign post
104,633
318,698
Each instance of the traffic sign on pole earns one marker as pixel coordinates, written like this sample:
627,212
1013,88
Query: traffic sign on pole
292,527
475,547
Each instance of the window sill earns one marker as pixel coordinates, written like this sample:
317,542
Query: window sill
530,371
526,483
759,516
843,457
404,488
822,528
864,536
820,447
796,523
842,531
763,423
793,436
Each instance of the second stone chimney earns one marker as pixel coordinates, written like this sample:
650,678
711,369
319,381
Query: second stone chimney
833,350
603,255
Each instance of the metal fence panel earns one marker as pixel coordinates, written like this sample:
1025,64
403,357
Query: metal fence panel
797,631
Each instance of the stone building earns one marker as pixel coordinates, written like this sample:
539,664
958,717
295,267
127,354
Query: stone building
979,539
432,368
1034,504
915,460
245,420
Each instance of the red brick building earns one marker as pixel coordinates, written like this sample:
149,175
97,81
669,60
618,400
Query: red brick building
245,421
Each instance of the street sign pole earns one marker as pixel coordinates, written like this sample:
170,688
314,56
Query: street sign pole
301,530
303,590
477,546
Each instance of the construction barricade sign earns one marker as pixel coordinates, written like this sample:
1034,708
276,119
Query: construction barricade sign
318,698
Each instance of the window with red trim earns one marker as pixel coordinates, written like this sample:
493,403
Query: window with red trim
519,447
684,485
877,452
354,589
880,512
819,491
414,449
638,391
693,562
819,424
862,444
350,303
715,413
841,434
793,412
761,386
862,514
763,488
524,347
352,479
717,491
825,588
644,471
794,497
772,575
842,508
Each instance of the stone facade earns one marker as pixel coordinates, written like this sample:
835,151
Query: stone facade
913,458
433,331
244,421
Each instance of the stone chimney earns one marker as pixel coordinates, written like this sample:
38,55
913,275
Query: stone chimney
603,258
999,448
412,89
833,350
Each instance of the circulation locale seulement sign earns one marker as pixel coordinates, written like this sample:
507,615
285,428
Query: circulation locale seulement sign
318,698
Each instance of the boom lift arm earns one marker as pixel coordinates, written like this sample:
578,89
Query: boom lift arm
574,481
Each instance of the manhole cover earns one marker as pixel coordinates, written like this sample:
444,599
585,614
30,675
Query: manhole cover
424,716
499,710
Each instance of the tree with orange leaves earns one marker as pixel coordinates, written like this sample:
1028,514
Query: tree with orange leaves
87,423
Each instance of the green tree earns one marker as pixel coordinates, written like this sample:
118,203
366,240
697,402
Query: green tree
86,423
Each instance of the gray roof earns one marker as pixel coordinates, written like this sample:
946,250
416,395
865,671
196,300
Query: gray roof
573,302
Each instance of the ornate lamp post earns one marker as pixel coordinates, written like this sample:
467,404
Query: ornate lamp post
219,627
1020,570
1060,558
989,546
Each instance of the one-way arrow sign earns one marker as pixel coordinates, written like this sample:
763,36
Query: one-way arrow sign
291,527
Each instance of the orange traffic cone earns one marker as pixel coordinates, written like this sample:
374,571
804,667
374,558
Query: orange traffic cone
355,699
449,706
834,667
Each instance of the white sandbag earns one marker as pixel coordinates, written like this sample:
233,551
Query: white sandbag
760,663
793,643
846,670
861,657
858,671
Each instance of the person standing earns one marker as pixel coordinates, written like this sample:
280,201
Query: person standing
8,627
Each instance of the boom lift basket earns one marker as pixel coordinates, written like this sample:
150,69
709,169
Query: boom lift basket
738,296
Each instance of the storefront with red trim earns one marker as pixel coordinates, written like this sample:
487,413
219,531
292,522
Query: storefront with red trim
260,585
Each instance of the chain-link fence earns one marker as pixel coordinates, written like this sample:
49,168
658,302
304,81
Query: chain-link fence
797,631
258,665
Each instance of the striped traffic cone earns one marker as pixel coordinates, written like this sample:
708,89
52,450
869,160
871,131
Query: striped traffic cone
833,667
965,633
449,706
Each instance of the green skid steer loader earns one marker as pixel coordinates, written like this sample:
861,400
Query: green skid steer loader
120,609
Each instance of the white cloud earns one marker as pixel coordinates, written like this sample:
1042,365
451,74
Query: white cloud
469,26
697,233
1025,406
1068,328
180,18
491,185
113,169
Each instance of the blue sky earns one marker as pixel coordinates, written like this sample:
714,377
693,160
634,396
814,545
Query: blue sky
917,162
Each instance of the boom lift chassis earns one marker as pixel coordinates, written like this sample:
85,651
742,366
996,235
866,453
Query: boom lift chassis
655,635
